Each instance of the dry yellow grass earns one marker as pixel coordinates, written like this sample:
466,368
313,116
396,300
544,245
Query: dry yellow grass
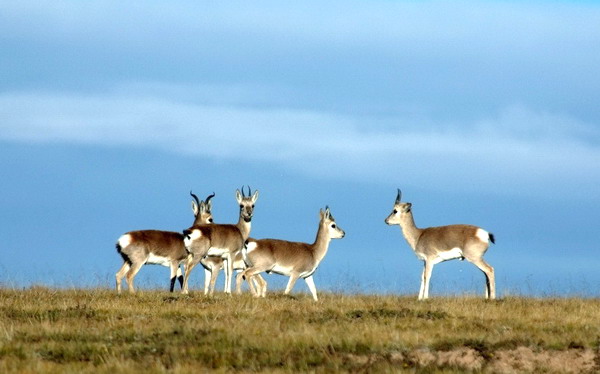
47,331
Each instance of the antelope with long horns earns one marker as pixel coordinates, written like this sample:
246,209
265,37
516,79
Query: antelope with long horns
436,244
138,248
219,240
293,259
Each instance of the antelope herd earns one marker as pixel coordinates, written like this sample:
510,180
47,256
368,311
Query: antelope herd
229,247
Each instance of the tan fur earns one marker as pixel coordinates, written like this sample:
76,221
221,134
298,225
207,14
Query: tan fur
146,243
226,237
437,244
294,259
212,263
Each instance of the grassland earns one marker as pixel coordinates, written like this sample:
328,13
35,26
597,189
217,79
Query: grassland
51,331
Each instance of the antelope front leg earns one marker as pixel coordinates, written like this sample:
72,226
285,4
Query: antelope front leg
207,279
426,278
422,288
228,273
311,286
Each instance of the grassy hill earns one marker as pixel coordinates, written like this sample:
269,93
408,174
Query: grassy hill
51,331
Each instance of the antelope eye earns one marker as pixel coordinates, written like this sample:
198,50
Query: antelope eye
241,206
333,225
210,220
252,205
395,211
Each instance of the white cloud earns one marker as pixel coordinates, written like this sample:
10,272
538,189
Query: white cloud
518,152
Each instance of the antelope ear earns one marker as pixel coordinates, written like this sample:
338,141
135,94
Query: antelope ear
408,208
255,196
321,214
195,208
238,196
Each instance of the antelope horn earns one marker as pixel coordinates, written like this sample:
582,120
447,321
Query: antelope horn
249,191
398,196
243,192
208,198
195,198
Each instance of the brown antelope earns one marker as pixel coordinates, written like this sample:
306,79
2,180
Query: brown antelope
436,244
219,240
158,247
296,260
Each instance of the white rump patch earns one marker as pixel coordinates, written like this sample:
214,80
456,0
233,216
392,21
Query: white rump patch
195,234
158,260
125,240
251,246
449,255
482,235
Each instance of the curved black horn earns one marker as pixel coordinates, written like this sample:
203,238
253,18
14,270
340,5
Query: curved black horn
398,196
243,191
195,198
208,198
249,191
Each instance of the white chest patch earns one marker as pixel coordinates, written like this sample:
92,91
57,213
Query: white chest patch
125,240
482,235
449,255
158,260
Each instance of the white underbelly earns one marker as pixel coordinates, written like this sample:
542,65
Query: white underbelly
283,270
158,260
448,255
214,251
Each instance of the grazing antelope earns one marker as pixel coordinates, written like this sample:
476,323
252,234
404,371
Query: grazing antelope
296,260
219,240
436,244
158,247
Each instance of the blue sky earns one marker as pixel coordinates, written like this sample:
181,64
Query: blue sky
482,112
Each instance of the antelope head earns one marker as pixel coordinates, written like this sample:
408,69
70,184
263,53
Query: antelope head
328,223
202,209
400,210
246,203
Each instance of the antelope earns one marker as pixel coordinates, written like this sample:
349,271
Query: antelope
219,240
437,244
293,259
166,248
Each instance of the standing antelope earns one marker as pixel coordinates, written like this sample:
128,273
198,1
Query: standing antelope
436,244
296,260
219,240
158,247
